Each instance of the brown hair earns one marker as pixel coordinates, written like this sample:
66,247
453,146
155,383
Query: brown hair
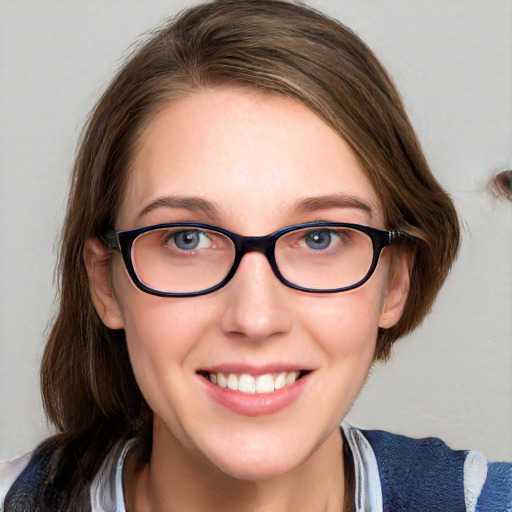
276,47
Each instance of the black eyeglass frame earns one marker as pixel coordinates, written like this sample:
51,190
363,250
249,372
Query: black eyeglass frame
123,241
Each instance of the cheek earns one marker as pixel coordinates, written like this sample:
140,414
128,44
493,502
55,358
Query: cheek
160,332
344,324
151,320
162,336
344,328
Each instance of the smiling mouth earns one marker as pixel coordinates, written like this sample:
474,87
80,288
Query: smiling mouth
250,384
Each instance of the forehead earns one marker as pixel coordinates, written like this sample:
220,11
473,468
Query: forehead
250,155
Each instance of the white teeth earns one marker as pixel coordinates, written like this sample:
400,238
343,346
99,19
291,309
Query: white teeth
265,384
280,382
246,383
221,380
291,378
233,382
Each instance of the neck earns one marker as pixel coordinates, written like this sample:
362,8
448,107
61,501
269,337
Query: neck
177,479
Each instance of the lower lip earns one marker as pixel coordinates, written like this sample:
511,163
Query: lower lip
255,404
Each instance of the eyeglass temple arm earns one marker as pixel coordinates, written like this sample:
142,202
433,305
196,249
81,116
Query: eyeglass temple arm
110,240
401,236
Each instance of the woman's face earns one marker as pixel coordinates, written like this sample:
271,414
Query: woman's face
253,164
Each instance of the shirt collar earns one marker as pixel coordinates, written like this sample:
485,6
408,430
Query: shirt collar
107,494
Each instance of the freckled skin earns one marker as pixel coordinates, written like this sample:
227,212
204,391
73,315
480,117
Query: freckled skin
253,157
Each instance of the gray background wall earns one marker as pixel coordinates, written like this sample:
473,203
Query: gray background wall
452,61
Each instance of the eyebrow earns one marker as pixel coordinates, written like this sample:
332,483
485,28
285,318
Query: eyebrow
195,204
311,204
307,204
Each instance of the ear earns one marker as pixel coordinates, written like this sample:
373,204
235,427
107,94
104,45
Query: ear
97,262
396,292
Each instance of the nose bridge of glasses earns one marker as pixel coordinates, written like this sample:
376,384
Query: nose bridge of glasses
261,244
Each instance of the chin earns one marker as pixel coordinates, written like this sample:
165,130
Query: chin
261,457
265,468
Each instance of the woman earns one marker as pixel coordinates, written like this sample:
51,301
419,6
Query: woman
251,224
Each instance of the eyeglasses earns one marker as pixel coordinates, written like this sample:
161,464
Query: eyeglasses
187,259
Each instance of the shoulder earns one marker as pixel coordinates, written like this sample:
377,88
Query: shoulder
427,474
419,471
9,472
30,484
23,481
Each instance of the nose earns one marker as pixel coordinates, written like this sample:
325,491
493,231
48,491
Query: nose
256,307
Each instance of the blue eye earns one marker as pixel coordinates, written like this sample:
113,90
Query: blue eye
319,239
188,240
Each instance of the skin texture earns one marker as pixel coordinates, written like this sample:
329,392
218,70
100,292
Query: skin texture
254,158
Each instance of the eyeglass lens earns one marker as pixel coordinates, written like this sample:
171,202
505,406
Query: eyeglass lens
190,259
